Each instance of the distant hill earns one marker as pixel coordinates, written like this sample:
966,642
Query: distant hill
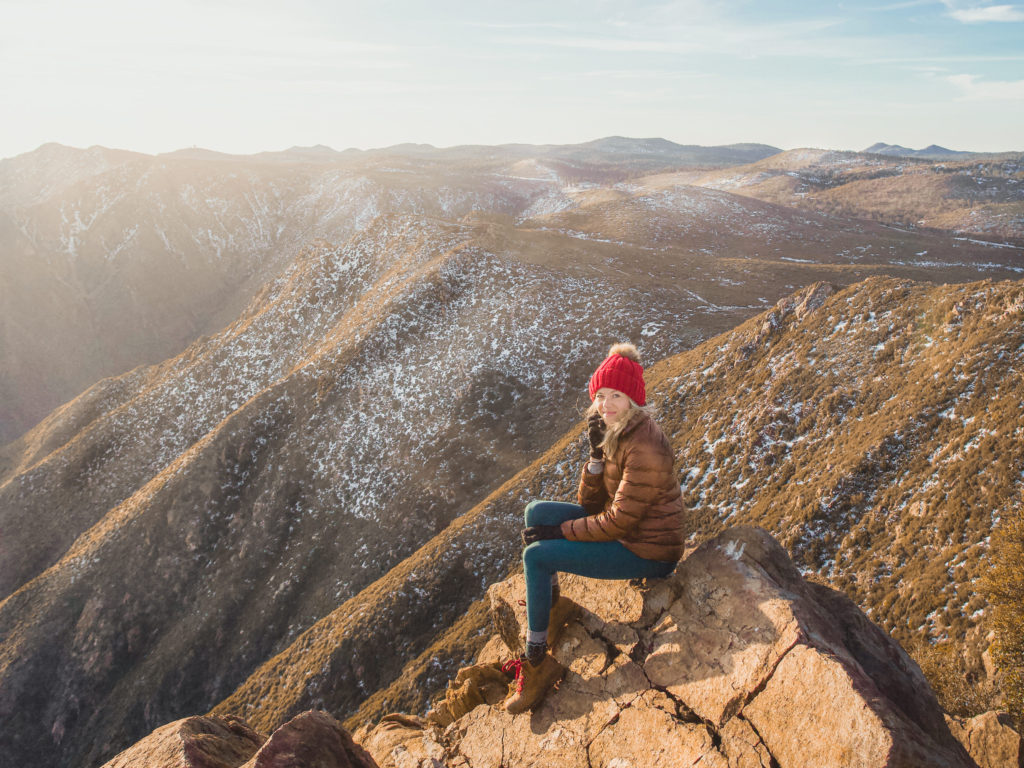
114,259
982,197
931,152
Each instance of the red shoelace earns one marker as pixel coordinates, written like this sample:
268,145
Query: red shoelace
515,666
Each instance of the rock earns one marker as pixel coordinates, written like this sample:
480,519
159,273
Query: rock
733,661
723,637
609,607
472,687
815,711
401,741
494,651
311,739
195,742
989,739
742,746
648,733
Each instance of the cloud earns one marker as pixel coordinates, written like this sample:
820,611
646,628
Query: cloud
604,44
979,15
973,89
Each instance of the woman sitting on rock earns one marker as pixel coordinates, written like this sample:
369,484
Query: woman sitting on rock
628,523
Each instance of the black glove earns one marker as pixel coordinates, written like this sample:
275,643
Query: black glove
595,432
541,532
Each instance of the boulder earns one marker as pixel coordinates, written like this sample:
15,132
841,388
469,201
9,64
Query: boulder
404,741
195,742
734,661
311,739
472,687
990,739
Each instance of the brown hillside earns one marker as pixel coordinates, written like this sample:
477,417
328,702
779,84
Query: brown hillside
172,529
113,259
247,487
875,429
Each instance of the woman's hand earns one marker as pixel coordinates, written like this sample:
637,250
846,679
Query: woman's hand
541,532
595,432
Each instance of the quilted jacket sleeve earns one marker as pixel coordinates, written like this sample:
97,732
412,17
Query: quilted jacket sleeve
644,467
591,494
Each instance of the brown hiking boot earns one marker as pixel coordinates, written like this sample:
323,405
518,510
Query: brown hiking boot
533,681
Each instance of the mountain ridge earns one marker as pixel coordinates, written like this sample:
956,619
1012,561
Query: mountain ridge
120,259
247,702
234,518
176,531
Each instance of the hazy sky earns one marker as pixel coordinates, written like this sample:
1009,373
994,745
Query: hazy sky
258,75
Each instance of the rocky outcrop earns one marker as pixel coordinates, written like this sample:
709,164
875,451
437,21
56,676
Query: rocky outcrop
990,739
195,742
310,739
734,660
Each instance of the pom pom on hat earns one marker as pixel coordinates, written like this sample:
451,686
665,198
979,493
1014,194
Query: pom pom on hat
621,370
625,350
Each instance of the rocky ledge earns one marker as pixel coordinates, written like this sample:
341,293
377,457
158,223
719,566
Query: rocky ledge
734,661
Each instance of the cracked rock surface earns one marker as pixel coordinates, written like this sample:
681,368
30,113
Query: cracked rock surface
733,661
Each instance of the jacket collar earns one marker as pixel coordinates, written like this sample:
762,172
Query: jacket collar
635,421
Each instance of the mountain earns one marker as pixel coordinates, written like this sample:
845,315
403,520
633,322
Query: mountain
874,430
979,198
301,506
649,153
932,151
115,259
259,498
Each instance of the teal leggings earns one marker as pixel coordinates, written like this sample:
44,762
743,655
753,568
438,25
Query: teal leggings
595,559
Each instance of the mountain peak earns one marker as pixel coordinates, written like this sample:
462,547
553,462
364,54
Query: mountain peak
932,151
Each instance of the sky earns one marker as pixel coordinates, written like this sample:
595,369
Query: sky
257,75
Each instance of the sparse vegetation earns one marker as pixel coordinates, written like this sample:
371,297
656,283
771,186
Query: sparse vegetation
962,689
344,442
1004,585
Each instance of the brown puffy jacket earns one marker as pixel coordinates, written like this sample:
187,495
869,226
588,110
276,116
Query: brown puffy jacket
637,499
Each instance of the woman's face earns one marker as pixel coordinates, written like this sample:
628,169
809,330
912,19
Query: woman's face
611,404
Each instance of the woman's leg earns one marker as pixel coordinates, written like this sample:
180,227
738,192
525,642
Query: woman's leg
595,559
551,512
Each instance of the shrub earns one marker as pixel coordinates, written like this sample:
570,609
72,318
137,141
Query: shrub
1004,585
960,691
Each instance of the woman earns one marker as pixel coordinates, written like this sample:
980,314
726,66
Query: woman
627,525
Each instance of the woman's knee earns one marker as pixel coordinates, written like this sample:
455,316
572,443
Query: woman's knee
537,556
530,514
545,512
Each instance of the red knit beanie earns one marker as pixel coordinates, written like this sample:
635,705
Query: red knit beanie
621,370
